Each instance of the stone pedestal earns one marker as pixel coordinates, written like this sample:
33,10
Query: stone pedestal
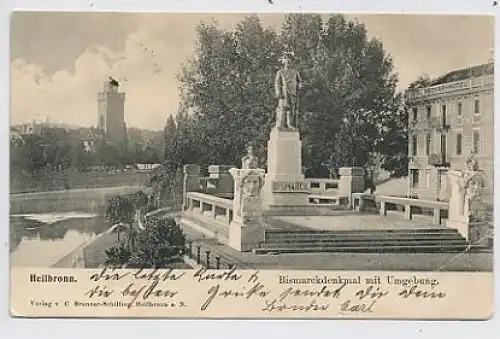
458,213
246,230
191,182
285,184
224,182
352,180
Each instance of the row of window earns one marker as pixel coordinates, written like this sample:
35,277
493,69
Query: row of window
428,110
476,142
416,174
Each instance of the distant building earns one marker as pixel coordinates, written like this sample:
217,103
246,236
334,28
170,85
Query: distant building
111,113
15,136
450,119
89,137
30,128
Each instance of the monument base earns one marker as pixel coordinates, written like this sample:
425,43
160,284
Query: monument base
285,184
462,226
246,237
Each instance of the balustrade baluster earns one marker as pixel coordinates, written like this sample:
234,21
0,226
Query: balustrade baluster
207,259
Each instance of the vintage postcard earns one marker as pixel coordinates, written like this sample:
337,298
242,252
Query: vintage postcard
272,165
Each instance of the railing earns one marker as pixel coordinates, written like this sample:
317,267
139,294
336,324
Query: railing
420,124
364,202
209,258
382,203
323,185
212,207
438,159
439,209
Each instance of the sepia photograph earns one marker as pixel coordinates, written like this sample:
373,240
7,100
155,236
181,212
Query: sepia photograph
273,141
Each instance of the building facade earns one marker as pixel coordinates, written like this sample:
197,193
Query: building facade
111,113
449,120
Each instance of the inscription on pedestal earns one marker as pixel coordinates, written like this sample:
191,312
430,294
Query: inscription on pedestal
290,187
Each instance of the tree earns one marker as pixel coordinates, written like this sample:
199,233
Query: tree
229,83
161,243
120,211
349,90
108,154
32,154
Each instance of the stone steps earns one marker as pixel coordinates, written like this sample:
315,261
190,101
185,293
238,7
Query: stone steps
353,239
302,231
367,249
367,241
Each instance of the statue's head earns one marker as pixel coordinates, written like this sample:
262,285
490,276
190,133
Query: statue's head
250,150
286,60
475,186
471,163
252,184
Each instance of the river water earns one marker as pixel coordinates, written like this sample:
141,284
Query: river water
45,227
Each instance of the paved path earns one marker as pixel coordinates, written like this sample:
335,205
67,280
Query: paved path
364,221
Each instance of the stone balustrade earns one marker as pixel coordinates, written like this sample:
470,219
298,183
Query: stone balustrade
409,205
219,182
319,185
210,207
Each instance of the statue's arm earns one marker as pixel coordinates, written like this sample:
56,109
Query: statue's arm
299,80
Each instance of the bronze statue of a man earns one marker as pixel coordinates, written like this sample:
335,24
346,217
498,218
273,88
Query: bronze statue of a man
287,84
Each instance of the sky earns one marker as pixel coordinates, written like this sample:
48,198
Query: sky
60,60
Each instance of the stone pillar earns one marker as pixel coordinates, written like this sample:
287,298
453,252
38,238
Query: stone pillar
466,211
190,182
220,173
458,217
246,230
352,180
285,184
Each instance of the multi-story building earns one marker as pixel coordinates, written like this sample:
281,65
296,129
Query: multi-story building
450,119
111,113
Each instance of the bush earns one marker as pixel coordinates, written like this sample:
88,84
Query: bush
117,256
120,210
160,244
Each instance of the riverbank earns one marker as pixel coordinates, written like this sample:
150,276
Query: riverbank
92,254
23,182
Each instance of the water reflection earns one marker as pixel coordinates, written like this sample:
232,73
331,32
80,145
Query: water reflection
46,227
37,243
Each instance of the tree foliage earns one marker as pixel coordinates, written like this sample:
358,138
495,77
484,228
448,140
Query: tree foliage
349,108
161,243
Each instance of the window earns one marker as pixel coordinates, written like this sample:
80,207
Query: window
476,141
459,109
415,113
414,145
414,177
428,112
443,145
458,149
477,106
443,115
428,144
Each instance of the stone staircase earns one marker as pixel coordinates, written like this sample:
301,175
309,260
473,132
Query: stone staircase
432,240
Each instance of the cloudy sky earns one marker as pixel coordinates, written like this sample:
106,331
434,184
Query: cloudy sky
59,61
